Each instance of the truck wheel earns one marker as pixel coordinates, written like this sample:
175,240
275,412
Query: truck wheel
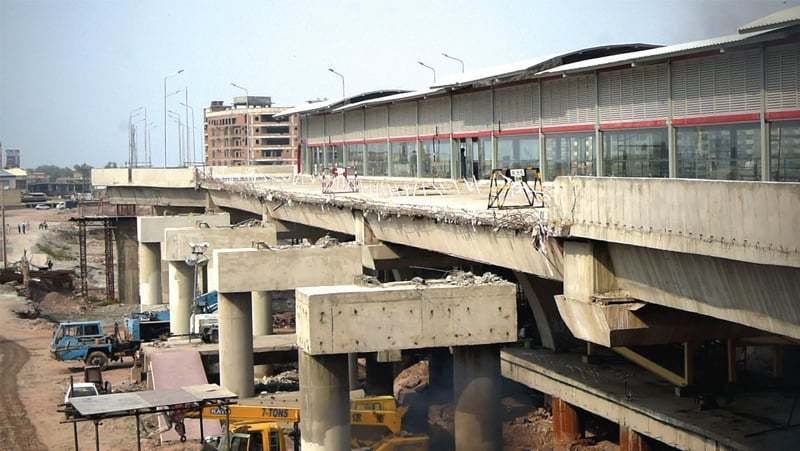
98,358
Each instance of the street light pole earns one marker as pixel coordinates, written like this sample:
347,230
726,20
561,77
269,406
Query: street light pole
186,104
455,59
429,67
246,121
3,210
177,118
165,113
330,69
194,134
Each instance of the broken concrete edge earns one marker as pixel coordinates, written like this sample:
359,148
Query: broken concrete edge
529,221
150,229
404,315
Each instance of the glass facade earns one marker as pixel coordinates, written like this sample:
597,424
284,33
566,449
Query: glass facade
316,160
635,153
517,151
784,151
355,157
334,155
377,159
404,159
436,157
725,152
569,155
474,157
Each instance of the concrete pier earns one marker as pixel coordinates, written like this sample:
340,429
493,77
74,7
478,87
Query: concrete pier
325,402
262,312
262,324
236,273
127,261
181,289
236,343
476,386
150,273
150,234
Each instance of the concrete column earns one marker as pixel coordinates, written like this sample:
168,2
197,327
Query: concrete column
630,440
324,401
262,324
567,425
262,312
380,377
180,297
236,343
150,273
127,261
476,386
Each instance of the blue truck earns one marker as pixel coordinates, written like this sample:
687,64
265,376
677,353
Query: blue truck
86,341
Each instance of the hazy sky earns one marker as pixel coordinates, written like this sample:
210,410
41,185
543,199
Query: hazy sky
71,71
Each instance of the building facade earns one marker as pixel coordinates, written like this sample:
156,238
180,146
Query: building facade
12,158
722,108
247,133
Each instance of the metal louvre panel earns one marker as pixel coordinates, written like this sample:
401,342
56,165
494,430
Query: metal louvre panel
334,126
354,122
434,115
783,63
634,94
316,130
568,101
403,119
472,111
376,122
725,83
517,106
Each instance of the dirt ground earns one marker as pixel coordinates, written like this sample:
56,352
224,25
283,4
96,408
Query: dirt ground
32,384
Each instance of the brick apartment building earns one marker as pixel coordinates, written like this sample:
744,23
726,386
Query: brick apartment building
270,141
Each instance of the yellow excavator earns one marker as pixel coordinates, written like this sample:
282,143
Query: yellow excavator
376,424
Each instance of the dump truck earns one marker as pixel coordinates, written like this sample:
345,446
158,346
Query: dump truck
376,425
86,341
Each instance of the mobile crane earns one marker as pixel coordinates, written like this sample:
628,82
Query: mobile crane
376,425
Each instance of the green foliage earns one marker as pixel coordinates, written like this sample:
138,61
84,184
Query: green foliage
53,172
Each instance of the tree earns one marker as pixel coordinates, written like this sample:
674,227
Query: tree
110,164
53,172
84,169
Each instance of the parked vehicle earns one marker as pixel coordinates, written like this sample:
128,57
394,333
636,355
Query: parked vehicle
147,326
42,207
85,341
61,206
33,198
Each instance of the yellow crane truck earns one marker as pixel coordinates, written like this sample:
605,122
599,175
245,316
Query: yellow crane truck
376,424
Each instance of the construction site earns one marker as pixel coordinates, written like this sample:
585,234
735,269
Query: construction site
595,250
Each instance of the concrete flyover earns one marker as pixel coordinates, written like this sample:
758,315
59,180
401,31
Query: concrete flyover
662,250
471,317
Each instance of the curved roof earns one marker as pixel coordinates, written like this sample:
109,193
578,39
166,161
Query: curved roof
782,18
527,68
315,107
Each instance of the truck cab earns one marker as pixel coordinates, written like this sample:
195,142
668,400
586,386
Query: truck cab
86,341
70,339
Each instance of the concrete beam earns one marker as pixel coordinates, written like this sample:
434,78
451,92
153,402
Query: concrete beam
286,268
176,245
404,315
150,229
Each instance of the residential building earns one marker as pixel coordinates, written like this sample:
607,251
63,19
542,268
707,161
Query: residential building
247,133
12,158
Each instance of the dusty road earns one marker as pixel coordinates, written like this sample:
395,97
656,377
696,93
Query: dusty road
16,429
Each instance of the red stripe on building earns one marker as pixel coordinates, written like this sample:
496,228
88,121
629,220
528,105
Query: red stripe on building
480,134
568,128
518,131
633,124
374,140
783,115
432,137
720,119
402,139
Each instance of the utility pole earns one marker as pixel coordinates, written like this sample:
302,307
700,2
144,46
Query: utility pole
186,104
165,113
